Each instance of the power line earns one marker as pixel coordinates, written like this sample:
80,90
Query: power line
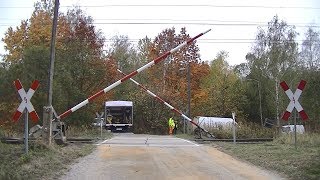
204,40
178,5
200,5
192,20
153,19
181,23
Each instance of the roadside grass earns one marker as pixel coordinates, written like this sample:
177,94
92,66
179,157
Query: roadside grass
281,155
42,161
88,132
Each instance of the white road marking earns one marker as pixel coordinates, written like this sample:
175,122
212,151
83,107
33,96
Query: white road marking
150,145
189,142
149,141
103,142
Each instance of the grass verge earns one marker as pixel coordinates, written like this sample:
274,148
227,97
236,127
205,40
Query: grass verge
43,162
281,155
88,132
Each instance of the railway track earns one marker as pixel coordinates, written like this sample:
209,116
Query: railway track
69,140
94,140
250,140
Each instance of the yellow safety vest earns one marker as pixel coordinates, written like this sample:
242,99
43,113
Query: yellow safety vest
171,122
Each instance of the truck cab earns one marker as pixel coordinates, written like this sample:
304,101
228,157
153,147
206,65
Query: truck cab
118,115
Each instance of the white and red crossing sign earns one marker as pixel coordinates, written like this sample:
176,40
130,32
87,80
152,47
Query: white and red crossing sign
26,103
294,103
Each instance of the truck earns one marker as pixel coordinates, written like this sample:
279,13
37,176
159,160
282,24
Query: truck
118,115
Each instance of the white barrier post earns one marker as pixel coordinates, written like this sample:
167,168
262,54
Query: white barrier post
234,127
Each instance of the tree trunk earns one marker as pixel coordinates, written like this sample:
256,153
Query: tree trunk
164,78
277,105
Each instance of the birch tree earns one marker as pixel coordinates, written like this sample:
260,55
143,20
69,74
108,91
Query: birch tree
310,50
274,54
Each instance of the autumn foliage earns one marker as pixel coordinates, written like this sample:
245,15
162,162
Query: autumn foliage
83,67
80,66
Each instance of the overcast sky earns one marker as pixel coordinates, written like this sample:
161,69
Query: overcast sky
233,22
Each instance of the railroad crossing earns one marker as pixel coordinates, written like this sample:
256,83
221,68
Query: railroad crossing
136,157
157,60
131,140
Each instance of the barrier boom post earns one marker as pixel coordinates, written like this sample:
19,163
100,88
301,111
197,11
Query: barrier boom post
115,84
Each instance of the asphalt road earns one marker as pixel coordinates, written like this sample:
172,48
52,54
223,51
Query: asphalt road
137,157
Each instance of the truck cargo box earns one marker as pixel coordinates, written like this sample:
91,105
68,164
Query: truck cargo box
118,115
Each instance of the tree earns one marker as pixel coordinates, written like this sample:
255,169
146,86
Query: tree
80,66
242,70
35,31
274,55
165,41
124,53
125,56
310,53
223,89
166,80
310,67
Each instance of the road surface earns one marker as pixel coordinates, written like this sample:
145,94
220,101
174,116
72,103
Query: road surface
138,157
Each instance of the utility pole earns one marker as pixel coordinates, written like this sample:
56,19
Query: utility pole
188,74
189,92
260,103
47,110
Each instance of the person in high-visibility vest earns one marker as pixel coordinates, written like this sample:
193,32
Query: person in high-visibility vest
171,125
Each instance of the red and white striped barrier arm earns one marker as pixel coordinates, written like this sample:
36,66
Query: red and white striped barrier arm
165,103
148,65
25,97
294,103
